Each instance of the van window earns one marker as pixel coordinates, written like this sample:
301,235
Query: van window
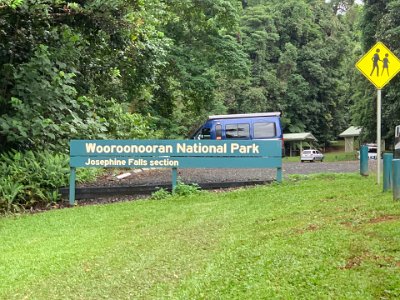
264,130
218,132
237,131
205,134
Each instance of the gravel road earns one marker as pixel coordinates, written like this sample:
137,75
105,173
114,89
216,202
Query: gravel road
160,176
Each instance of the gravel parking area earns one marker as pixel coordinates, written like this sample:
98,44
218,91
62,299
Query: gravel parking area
138,177
162,176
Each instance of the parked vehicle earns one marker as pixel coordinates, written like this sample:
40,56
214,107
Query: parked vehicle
254,126
397,142
311,155
372,151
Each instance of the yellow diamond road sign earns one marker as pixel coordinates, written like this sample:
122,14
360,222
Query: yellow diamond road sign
379,65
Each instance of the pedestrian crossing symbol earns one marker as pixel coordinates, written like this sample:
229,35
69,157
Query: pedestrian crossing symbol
379,65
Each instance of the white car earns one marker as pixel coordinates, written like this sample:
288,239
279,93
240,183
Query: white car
372,151
311,155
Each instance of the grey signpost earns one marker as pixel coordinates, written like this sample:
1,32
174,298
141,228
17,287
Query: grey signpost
378,133
374,65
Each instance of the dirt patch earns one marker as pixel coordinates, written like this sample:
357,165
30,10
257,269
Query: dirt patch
310,227
386,218
365,220
353,262
347,224
381,261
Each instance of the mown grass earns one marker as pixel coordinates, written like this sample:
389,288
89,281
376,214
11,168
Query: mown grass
317,237
328,157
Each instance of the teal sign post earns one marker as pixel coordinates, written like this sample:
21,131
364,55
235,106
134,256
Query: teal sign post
364,160
173,154
387,171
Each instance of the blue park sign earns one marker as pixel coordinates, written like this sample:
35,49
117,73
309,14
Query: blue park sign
174,154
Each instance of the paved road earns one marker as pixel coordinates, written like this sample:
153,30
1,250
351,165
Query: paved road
161,176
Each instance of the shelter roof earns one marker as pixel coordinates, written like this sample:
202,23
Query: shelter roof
301,136
351,131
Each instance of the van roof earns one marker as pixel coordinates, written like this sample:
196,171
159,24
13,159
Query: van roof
252,115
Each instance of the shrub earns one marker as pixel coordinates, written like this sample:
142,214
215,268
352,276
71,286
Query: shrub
9,191
31,178
183,189
160,194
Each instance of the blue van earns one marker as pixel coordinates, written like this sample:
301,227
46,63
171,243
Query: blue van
254,126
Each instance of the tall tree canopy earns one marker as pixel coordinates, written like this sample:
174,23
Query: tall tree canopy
135,68
67,68
298,51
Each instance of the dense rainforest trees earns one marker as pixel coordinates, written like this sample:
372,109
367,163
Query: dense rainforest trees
139,69
298,67
135,69
131,69
67,70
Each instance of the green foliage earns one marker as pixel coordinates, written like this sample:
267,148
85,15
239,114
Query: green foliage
298,67
158,68
41,109
11,3
88,174
124,125
160,194
203,59
33,178
64,74
9,191
30,178
183,189
46,112
177,61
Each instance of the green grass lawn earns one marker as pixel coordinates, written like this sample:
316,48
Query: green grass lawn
328,157
318,237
